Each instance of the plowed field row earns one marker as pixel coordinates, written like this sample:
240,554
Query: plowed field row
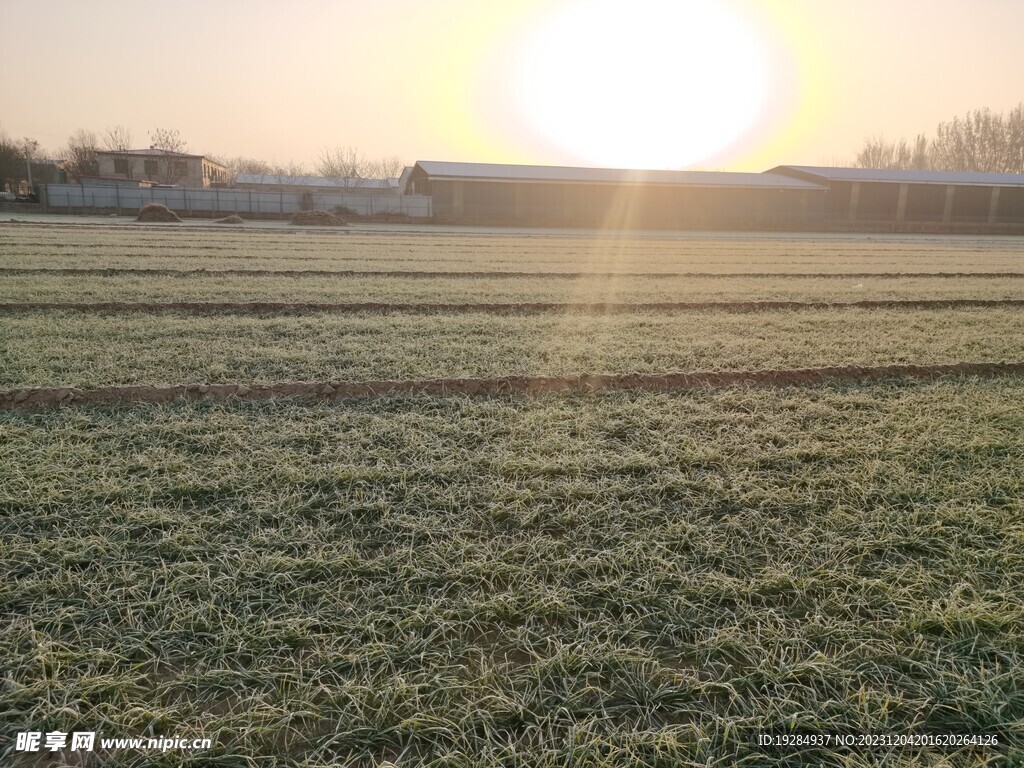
454,289
399,273
510,385
34,247
282,307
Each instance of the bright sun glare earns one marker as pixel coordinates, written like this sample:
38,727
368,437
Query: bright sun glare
644,84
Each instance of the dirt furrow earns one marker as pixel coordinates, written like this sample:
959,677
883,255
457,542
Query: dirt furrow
285,307
33,399
432,274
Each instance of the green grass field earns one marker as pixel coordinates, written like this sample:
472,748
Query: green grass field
615,579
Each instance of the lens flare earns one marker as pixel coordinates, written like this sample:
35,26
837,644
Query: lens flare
645,84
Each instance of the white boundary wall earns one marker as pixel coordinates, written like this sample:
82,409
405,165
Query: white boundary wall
225,201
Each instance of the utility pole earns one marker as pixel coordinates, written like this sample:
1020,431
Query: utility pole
30,146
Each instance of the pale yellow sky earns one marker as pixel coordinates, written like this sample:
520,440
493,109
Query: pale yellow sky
723,84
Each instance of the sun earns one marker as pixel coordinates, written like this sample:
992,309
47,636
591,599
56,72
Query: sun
643,84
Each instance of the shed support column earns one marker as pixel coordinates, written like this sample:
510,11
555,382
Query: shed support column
901,206
993,206
457,202
947,210
854,199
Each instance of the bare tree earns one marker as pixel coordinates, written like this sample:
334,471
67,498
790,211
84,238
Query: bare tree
876,153
921,158
284,172
390,167
345,166
78,157
882,154
240,164
172,166
19,172
11,164
981,141
118,141
1015,139
249,165
350,167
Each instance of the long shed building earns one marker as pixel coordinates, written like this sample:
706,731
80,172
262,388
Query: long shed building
530,195
952,199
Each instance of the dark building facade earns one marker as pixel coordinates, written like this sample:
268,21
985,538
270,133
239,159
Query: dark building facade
786,197
897,197
479,193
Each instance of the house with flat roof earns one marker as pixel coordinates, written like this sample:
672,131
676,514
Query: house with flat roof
160,166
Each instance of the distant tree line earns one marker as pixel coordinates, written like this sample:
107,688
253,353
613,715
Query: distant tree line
348,166
22,165
345,166
12,162
982,141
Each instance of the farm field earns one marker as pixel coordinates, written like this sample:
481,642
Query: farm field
616,578
212,287
28,246
53,349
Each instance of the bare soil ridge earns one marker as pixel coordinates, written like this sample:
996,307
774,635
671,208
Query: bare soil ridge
38,398
114,271
286,307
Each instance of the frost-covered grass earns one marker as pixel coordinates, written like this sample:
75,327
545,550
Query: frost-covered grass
69,247
91,350
159,287
613,581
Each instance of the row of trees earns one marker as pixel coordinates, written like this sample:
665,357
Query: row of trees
15,159
982,141
345,166
22,165
348,166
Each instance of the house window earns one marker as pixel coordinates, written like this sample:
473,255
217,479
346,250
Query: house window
151,168
180,168
121,166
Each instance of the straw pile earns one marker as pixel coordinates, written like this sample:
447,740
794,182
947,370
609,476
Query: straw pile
157,212
317,219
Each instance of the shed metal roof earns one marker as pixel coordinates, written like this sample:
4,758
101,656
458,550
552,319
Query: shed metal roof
552,173
906,177
314,181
